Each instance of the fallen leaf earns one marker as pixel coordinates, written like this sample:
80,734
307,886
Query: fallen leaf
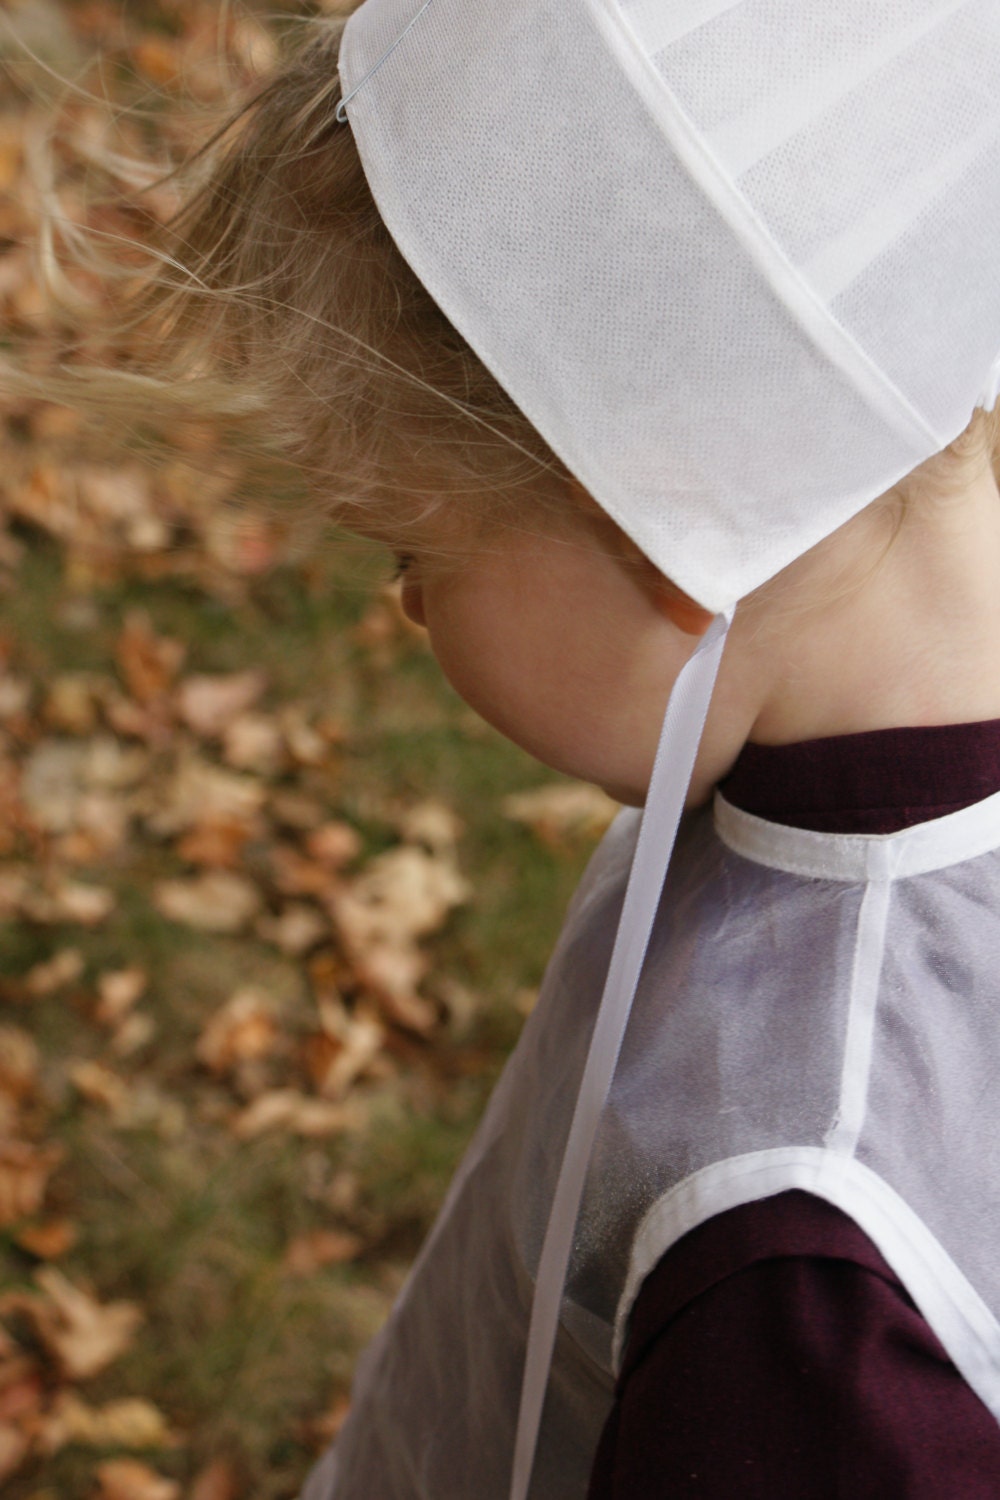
15,696
157,58
134,1031
344,1050
24,1174
403,895
217,1481
254,742
294,875
556,814
48,1240
218,901
305,743
63,968
317,1248
72,703
287,1109
219,845
99,1085
128,1479
209,704
148,662
129,1423
432,823
201,793
69,901
334,844
14,1446
242,1029
295,929
84,1335
294,809
19,1060
118,990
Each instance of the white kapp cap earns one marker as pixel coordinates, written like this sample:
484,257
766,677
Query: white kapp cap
736,260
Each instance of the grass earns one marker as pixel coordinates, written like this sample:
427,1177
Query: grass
172,1211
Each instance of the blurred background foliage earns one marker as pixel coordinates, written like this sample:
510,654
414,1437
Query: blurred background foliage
273,902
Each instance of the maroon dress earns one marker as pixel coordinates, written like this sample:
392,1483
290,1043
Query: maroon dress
772,1353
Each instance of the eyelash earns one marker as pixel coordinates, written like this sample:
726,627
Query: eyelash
403,562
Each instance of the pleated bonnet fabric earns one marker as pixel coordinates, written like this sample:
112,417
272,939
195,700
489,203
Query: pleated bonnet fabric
738,261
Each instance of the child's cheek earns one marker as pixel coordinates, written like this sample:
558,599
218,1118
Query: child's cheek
412,601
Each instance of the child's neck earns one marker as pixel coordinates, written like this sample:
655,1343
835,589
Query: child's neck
912,640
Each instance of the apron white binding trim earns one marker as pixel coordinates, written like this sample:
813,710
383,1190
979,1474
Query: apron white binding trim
947,1300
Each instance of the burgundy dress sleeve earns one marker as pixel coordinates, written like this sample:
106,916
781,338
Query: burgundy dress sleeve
773,1355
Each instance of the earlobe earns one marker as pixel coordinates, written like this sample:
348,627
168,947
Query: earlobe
679,608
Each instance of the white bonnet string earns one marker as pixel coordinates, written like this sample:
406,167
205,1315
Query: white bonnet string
680,736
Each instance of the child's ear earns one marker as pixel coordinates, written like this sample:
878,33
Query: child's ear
679,608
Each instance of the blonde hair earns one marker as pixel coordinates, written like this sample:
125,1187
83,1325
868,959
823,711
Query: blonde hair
278,302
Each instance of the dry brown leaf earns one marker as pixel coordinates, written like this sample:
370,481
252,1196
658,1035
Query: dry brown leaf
15,696
334,844
401,896
317,1248
218,845
209,704
24,1174
19,1060
392,973
559,813
148,662
345,1048
295,809
432,823
158,58
52,783
198,793
295,929
134,1032
14,1446
22,1386
64,967
48,1240
84,1335
294,875
128,1423
128,1479
99,1085
69,901
306,745
287,1109
118,990
323,1429
254,742
73,701
217,1481
241,1030
14,888
218,901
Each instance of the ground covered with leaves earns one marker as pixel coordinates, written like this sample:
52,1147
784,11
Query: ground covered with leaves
273,904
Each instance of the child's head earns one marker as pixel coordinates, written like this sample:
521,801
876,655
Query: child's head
283,282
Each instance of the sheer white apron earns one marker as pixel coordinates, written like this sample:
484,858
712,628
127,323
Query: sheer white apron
816,1011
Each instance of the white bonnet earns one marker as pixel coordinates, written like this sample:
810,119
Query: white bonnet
738,261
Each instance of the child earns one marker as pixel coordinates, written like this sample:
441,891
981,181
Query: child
666,314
